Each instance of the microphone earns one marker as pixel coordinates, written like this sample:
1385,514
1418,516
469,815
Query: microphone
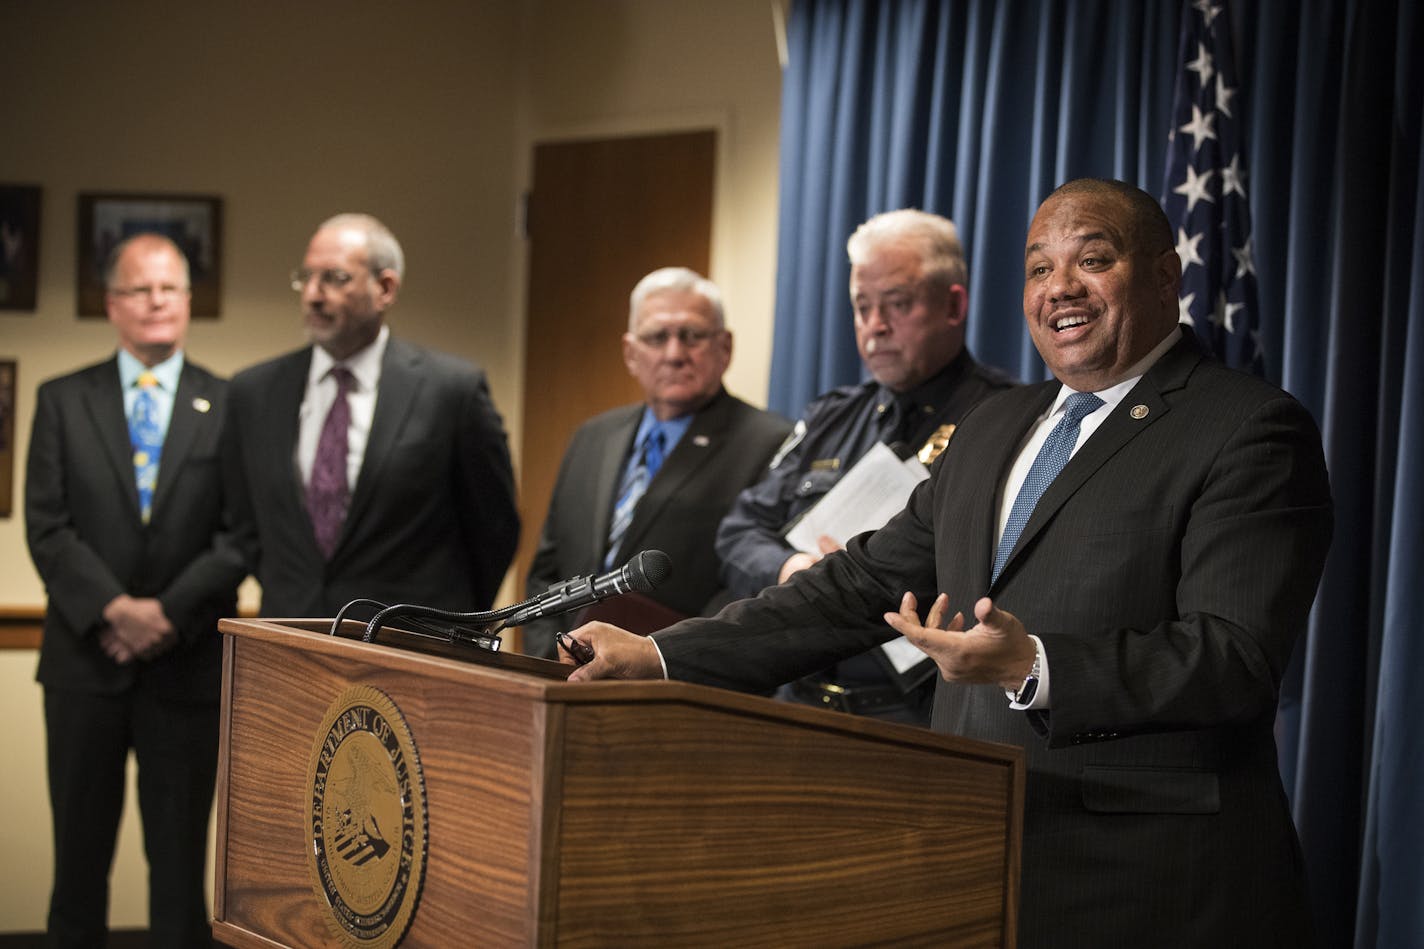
481,629
641,574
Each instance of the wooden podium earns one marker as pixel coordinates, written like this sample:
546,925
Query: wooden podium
596,814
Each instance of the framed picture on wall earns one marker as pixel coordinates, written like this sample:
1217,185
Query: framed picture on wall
194,222
19,246
7,436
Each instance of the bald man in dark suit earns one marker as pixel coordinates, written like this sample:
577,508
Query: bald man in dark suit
1117,564
364,466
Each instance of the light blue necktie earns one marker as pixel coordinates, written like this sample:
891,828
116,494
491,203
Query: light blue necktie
631,490
147,439
1054,454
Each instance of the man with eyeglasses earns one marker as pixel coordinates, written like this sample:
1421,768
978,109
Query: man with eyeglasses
364,466
907,290
658,474
1110,569
124,517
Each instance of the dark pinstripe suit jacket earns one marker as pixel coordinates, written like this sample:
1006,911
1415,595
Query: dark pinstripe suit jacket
1168,571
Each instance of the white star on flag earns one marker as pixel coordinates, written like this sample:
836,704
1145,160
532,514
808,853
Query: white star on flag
1187,248
1205,192
1195,186
1184,309
1202,65
1245,262
1233,178
1223,96
1199,128
1225,313
1208,10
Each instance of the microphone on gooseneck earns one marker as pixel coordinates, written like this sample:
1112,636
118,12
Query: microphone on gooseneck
639,575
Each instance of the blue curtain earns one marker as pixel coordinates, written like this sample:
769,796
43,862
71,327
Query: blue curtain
976,109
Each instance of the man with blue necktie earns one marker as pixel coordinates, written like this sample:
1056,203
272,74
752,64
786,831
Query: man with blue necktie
124,516
658,474
1115,565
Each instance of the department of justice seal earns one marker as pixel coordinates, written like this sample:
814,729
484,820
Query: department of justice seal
367,821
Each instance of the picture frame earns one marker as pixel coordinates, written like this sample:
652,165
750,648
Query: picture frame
8,372
19,246
192,221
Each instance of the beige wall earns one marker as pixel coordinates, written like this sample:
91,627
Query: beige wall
598,69
265,106
422,113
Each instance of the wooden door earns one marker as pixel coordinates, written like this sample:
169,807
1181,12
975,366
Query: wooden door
601,215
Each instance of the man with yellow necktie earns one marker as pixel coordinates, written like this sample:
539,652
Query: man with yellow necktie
124,517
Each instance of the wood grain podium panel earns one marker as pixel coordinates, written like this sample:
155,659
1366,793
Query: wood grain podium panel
731,829
478,742
628,814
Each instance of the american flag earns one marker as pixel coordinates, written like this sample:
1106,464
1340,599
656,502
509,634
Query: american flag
1205,191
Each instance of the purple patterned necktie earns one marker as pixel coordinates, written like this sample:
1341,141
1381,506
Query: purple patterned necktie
328,494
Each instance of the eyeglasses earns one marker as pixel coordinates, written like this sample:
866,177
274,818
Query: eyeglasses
328,279
151,291
689,337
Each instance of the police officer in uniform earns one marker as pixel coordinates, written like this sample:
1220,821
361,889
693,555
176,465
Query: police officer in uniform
907,288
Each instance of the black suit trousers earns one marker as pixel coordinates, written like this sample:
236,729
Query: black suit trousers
89,736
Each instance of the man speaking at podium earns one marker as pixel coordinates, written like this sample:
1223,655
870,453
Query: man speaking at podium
1116,565
661,473
364,466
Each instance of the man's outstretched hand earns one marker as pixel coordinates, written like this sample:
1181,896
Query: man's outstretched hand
996,650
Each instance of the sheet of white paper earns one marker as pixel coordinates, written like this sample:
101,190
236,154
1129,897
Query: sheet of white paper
903,654
872,492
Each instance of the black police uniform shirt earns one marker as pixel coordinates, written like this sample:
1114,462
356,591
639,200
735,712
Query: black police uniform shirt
837,429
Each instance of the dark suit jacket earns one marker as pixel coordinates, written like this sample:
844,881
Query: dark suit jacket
1168,571
432,517
726,448
89,543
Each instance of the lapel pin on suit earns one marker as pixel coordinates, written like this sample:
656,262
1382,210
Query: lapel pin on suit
202,404
701,441
1139,412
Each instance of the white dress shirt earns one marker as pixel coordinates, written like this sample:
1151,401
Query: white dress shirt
365,368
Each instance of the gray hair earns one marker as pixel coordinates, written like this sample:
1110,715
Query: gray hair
934,237
383,251
675,280
111,263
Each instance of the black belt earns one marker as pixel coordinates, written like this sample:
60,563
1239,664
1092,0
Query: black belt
855,699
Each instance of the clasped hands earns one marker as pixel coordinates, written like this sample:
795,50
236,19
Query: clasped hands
135,628
996,650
